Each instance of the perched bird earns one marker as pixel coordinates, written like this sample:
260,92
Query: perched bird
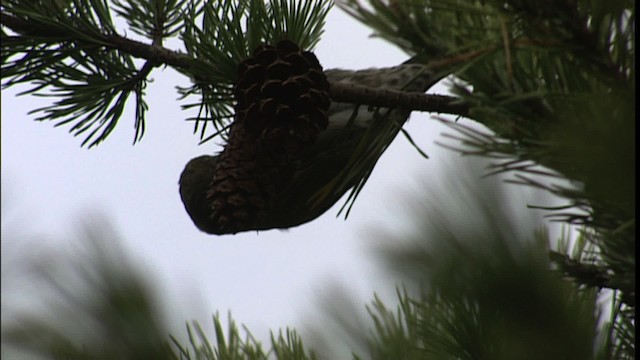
340,158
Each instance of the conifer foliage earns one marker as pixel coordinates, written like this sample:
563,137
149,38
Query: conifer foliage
551,82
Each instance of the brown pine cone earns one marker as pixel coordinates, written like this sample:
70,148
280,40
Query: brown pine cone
281,106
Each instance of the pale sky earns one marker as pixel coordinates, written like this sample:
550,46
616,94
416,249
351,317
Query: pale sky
268,280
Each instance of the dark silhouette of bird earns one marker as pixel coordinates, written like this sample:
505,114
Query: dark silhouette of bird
339,159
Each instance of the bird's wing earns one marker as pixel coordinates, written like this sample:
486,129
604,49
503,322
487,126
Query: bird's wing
345,154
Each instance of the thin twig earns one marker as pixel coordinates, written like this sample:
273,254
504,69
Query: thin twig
591,275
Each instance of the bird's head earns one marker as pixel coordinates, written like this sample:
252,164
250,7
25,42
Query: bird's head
195,181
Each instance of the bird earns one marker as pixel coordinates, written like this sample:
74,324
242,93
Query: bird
341,158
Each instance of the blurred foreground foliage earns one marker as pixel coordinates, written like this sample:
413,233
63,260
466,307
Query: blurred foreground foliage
476,287
95,303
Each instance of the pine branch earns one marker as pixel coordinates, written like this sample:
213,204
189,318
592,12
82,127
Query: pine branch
591,275
138,49
338,92
392,98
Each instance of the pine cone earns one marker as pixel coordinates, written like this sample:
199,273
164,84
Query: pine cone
281,106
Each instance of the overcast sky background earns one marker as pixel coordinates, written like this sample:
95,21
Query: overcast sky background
268,280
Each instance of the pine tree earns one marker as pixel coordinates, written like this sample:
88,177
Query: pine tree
552,81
